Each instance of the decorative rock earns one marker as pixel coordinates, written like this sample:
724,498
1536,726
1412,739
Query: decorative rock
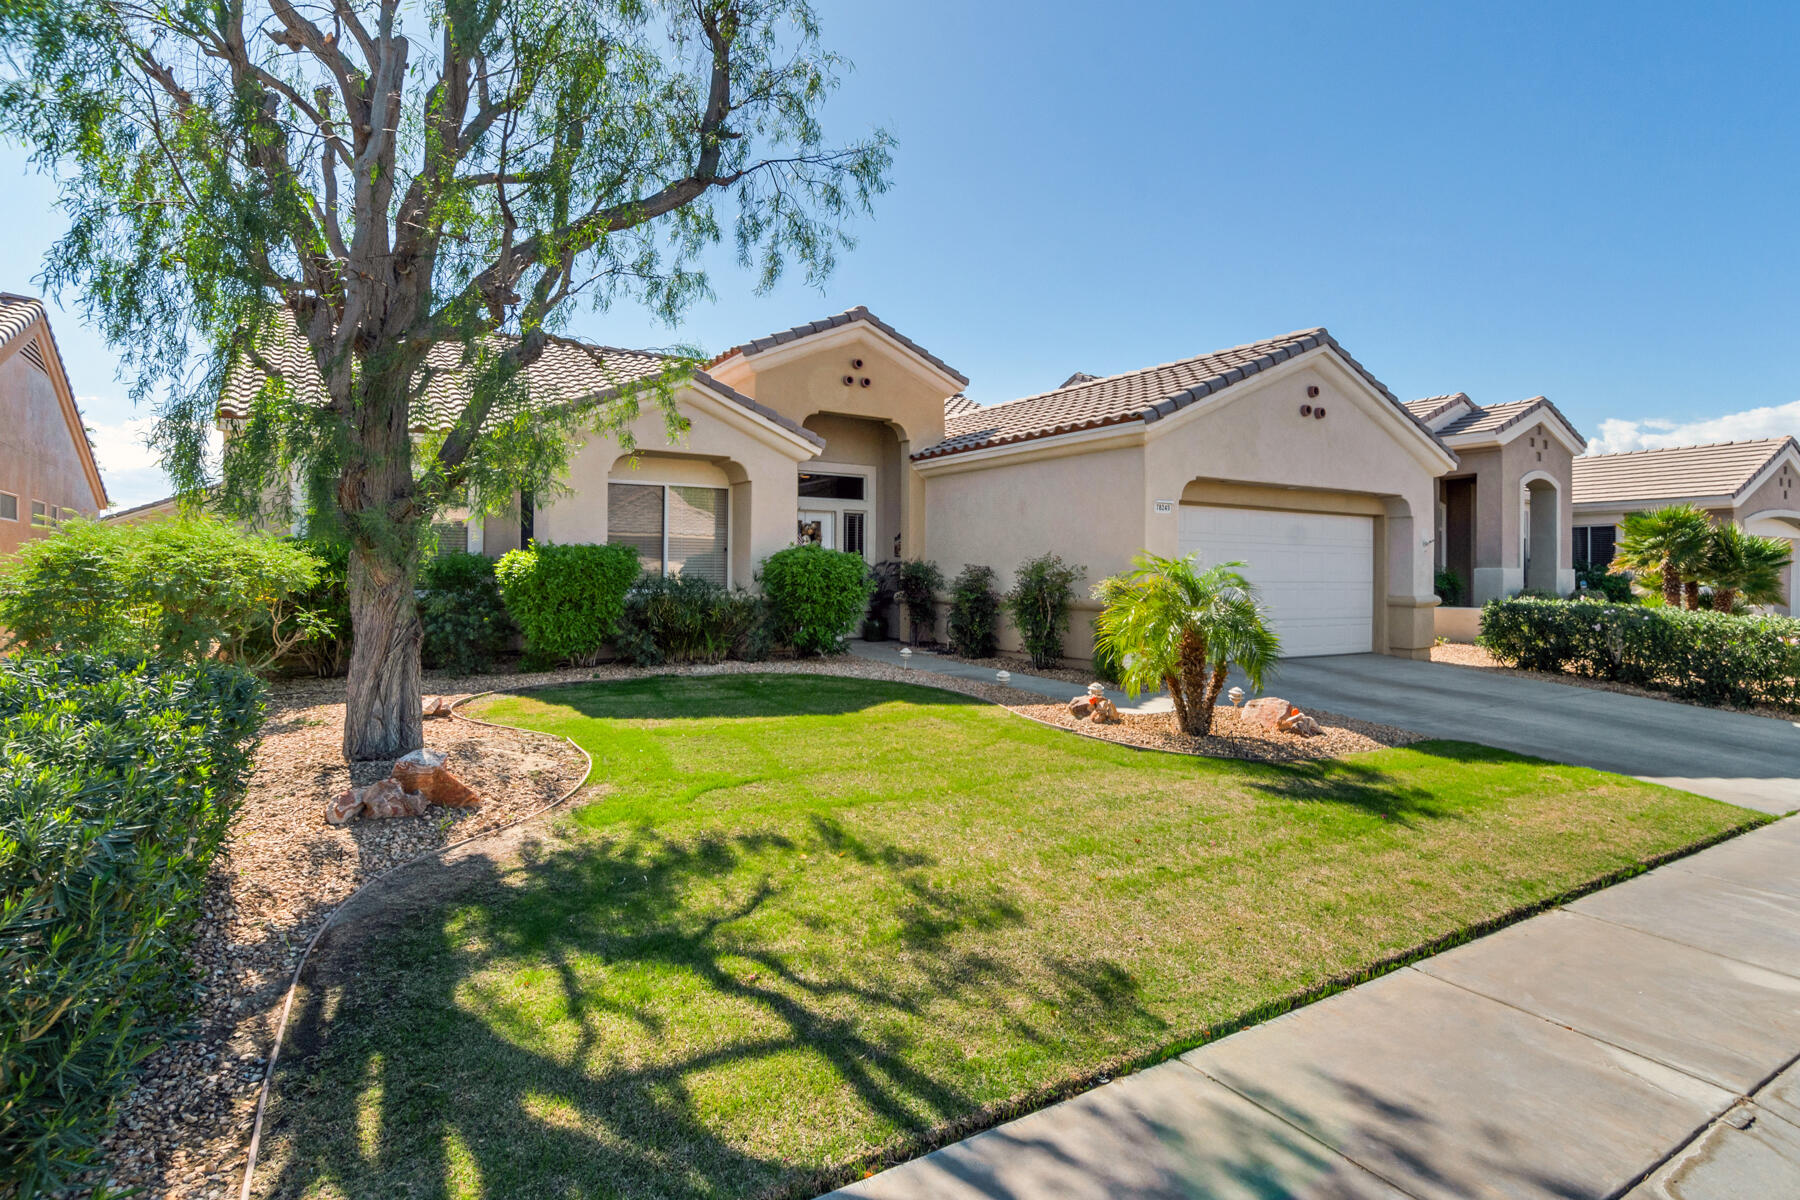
1081,706
343,808
437,706
1265,712
1299,723
423,771
1105,712
386,800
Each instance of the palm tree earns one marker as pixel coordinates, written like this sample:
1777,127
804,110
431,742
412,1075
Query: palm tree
1739,565
1174,625
1665,545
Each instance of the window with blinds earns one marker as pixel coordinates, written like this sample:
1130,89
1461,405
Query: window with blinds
856,533
1594,545
9,507
452,537
674,528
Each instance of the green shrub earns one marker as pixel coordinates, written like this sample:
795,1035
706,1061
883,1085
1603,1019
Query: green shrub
689,619
1713,658
920,583
324,650
974,612
117,784
1042,596
1449,588
567,600
465,622
179,589
1607,584
1109,668
817,597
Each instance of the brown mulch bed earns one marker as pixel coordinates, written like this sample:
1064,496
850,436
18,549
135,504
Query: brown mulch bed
1231,737
1461,654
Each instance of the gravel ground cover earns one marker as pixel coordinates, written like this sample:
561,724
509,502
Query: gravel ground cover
1458,654
183,1132
1231,737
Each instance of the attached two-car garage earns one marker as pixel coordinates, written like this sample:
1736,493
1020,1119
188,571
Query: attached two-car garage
1315,571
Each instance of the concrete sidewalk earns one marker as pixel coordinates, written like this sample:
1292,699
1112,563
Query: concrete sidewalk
1641,1041
1050,689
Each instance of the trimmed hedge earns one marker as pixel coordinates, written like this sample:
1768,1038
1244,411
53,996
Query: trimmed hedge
1713,658
567,600
117,783
816,596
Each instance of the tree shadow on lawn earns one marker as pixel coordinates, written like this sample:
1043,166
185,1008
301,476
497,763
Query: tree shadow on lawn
1357,782
675,1050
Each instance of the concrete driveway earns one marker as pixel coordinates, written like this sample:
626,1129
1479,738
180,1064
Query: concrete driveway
1752,761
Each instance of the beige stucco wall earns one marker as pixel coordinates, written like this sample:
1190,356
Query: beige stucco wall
721,448
806,379
1093,498
39,459
1499,473
1772,509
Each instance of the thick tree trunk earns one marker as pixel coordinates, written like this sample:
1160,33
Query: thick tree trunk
383,716
1197,713
1723,599
1693,594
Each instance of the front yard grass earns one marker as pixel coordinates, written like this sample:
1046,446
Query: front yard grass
814,921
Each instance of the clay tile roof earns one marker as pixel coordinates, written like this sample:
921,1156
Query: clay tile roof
1497,418
859,313
1432,406
1145,395
567,372
17,314
1673,473
958,404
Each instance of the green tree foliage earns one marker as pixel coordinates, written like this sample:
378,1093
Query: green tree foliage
117,784
1664,548
1042,596
1746,567
920,583
371,218
974,612
1170,624
816,596
185,588
567,600
465,622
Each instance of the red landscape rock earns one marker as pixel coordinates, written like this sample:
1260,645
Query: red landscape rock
1265,713
423,771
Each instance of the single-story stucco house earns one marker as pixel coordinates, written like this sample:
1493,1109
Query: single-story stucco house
47,467
1285,454
1755,483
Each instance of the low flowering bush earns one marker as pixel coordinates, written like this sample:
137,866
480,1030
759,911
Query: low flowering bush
1713,658
678,619
816,596
567,600
117,783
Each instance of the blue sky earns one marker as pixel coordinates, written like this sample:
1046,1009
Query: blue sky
1595,202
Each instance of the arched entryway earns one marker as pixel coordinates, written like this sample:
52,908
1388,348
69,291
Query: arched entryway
1540,531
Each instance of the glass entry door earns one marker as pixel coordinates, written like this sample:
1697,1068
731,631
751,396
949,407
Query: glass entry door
818,527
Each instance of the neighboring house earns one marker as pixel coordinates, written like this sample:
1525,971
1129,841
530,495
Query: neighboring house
145,514
1504,515
47,467
1756,484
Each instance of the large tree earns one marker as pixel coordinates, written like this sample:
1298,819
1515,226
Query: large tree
366,204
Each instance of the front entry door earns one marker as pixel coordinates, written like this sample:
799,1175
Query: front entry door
818,528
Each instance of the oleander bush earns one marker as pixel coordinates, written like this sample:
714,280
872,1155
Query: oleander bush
324,649
566,599
465,621
920,583
1042,597
118,779
974,612
816,597
188,588
1712,658
682,619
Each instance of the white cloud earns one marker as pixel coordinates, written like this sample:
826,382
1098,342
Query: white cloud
1617,434
132,470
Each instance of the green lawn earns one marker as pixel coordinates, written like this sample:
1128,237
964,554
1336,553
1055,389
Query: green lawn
813,920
